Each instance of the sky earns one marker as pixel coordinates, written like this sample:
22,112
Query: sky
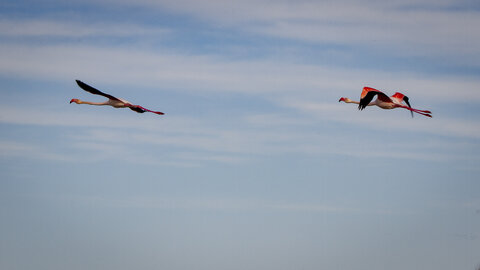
255,164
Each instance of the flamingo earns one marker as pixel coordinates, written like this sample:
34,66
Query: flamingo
383,101
112,101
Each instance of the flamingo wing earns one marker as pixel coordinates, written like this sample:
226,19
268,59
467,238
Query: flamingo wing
400,97
136,109
140,109
94,91
405,98
368,94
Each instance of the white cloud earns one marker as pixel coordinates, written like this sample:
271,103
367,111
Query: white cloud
415,28
427,29
12,148
204,73
381,119
47,28
308,89
183,141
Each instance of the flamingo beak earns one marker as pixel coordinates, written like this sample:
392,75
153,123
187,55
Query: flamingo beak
73,100
341,99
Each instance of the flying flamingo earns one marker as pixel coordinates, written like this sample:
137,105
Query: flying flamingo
383,101
112,101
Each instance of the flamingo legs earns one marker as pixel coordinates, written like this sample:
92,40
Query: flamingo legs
422,112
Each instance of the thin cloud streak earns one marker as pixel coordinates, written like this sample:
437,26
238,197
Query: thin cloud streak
47,28
11,148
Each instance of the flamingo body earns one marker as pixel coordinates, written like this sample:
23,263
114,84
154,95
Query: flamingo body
112,101
383,101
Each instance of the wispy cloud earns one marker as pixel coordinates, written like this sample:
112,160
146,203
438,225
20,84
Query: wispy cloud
253,128
305,93
209,73
338,112
48,28
432,28
12,148
183,141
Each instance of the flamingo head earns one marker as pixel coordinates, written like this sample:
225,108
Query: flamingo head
344,99
75,100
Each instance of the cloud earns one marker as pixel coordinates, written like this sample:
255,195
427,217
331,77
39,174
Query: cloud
49,28
210,73
191,141
429,30
453,127
299,96
413,28
12,148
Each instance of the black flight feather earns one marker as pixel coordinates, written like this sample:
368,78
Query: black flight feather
405,98
94,91
366,100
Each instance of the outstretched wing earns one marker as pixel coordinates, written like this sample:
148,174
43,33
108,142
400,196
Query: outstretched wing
94,91
367,96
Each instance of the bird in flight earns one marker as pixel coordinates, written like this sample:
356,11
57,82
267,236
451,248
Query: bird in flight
112,101
383,101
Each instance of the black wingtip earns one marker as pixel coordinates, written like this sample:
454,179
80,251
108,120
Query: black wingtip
136,109
86,87
405,98
79,83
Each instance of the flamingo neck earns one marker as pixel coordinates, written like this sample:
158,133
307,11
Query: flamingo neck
357,102
93,103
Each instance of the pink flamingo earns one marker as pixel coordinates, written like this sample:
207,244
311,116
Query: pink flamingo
112,101
383,101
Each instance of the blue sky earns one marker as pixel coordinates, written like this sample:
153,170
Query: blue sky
255,164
